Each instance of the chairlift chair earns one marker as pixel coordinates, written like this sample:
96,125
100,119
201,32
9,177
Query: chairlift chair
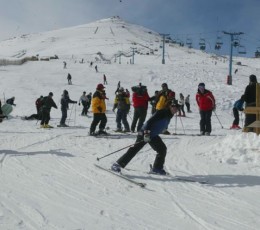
202,44
241,50
257,52
218,43
189,42
236,42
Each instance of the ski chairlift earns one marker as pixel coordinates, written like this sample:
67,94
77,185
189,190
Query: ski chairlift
179,42
241,49
189,42
218,43
257,52
202,44
236,42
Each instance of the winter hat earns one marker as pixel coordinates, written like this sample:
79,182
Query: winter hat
50,93
100,86
252,78
65,92
201,85
164,85
121,89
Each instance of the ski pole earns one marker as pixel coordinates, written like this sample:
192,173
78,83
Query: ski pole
75,115
182,125
218,119
98,158
70,114
242,121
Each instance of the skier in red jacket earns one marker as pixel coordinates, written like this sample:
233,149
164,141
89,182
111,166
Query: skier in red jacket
140,100
206,103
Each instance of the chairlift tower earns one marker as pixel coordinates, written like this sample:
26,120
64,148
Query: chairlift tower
133,55
163,54
232,38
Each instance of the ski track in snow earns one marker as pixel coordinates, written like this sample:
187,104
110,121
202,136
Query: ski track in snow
48,178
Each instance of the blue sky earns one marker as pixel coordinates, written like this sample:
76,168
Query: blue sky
182,19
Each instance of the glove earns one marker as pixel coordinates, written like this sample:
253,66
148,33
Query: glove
99,109
147,137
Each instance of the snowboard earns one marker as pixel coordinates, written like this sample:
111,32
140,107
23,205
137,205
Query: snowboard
7,109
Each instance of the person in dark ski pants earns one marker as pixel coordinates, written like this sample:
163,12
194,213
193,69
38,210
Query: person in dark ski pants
250,100
65,100
47,104
238,106
149,133
140,100
206,103
84,101
122,104
99,111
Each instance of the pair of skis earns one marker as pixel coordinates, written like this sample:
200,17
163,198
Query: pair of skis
143,185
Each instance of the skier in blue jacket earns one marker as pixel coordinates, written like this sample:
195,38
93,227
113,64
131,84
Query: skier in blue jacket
238,106
149,133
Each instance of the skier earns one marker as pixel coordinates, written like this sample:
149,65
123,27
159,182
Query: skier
140,100
38,115
163,97
122,105
105,79
84,101
10,101
187,103
238,106
153,101
89,96
69,79
181,107
206,104
47,104
38,104
64,65
96,68
150,134
65,100
98,109
250,100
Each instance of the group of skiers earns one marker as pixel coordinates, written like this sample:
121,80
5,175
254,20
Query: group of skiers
164,107
158,123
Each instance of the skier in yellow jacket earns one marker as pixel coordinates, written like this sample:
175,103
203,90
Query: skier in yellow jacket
99,111
163,99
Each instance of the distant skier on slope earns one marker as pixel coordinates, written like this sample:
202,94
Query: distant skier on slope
69,78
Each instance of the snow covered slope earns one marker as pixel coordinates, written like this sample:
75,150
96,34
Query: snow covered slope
48,178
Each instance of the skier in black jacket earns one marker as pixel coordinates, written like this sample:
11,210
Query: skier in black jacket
250,99
65,100
47,104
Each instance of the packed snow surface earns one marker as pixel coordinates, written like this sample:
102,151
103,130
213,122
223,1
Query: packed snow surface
48,178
